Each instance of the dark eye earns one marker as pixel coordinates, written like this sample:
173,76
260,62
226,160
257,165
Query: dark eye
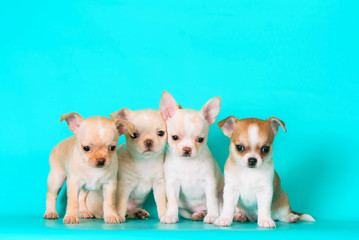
175,137
135,135
265,149
240,148
200,139
112,148
87,148
161,133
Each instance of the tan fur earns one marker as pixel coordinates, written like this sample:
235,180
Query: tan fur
95,168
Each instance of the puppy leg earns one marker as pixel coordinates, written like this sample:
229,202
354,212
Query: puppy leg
199,216
83,210
73,190
211,202
240,215
123,192
109,210
264,200
230,200
159,192
138,213
172,192
55,181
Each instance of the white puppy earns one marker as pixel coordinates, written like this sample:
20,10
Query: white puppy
140,169
250,178
193,178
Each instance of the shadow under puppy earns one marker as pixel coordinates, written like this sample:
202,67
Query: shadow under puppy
88,161
193,178
250,178
140,168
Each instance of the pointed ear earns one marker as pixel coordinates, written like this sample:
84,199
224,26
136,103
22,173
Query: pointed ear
73,120
124,126
121,114
227,125
211,109
168,105
275,123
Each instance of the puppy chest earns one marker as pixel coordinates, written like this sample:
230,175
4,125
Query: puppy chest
141,190
92,185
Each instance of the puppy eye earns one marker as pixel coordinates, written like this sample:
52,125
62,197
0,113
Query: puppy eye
112,148
175,137
135,135
87,148
240,148
265,149
160,133
200,139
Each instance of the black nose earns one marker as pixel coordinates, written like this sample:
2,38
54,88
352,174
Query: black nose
187,151
100,162
252,161
148,143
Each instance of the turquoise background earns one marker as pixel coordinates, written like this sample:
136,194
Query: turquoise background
296,60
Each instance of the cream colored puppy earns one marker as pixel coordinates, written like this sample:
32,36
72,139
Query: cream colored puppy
250,178
140,169
88,161
193,178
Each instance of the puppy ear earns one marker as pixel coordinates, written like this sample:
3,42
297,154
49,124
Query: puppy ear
73,120
275,123
211,109
227,125
121,114
168,105
124,126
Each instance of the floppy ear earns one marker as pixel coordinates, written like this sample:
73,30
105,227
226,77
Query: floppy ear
124,126
168,105
121,114
227,125
275,123
73,120
211,109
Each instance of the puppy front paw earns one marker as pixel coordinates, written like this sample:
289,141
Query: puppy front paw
71,219
113,219
223,222
86,214
266,223
209,219
51,215
169,219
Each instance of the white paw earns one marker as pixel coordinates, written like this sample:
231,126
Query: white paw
169,219
86,214
113,219
266,223
223,222
51,215
291,218
71,219
210,219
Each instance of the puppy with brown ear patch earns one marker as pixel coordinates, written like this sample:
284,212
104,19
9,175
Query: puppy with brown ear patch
88,161
250,178
140,169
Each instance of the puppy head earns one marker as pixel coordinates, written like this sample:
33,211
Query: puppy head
251,139
188,129
96,137
150,135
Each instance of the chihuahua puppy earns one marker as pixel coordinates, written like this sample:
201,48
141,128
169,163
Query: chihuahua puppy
88,161
250,178
193,178
140,170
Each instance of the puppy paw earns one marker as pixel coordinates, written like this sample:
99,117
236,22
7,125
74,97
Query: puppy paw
266,223
223,222
240,216
198,216
51,215
169,219
209,219
113,219
291,218
71,219
86,214
142,214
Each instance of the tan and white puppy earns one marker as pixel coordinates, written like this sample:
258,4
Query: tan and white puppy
140,170
193,178
250,178
88,161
